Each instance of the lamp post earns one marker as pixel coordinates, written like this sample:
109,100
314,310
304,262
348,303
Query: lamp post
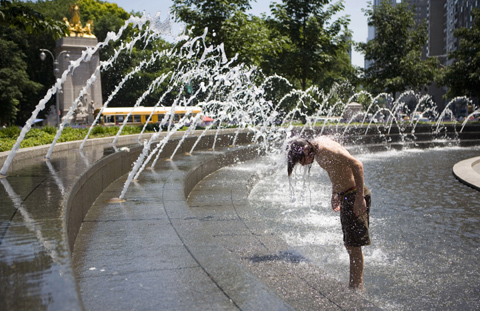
56,71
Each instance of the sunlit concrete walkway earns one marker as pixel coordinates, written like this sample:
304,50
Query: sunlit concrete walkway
156,252
221,256
35,253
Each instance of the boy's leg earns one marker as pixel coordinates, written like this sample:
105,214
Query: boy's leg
356,266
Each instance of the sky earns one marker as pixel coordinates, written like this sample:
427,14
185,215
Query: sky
353,8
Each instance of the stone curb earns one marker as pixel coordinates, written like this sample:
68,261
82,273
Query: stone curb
468,172
39,217
43,206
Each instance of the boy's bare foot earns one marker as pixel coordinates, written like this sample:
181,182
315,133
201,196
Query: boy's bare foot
358,289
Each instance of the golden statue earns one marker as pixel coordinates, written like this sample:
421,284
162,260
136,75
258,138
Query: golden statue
75,25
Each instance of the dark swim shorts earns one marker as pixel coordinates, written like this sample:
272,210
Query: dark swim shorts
355,229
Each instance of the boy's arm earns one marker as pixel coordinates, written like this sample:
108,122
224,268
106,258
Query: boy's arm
335,153
360,206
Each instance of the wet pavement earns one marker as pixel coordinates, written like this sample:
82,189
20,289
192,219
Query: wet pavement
35,268
156,251
36,214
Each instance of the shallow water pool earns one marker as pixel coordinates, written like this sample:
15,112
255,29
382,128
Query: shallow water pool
425,226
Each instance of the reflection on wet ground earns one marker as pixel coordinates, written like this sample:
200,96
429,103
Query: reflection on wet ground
34,265
441,226
424,223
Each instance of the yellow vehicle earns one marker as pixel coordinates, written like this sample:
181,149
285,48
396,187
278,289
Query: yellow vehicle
139,115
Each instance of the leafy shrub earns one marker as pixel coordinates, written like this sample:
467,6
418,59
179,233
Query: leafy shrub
165,127
131,129
98,130
152,127
6,144
50,130
45,135
111,130
10,132
36,137
70,134
35,132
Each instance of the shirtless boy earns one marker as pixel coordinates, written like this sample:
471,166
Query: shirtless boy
349,195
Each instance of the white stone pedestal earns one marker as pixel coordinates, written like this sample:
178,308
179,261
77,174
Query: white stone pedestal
76,82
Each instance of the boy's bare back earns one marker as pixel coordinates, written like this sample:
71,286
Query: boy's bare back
337,161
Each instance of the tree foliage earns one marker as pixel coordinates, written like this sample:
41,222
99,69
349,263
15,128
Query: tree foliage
28,78
20,25
14,81
248,37
310,41
463,76
299,41
105,16
210,14
396,50
19,15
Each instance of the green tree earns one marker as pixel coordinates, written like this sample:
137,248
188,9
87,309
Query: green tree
211,14
463,76
19,15
339,70
14,81
396,51
309,41
20,27
106,17
249,37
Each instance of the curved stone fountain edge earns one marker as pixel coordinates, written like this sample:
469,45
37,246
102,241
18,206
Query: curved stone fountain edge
96,178
65,213
227,157
466,173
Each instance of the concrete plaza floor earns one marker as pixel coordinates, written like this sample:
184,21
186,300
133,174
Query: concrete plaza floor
156,251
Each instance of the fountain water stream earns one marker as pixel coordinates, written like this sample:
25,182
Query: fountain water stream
230,93
85,57
424,225
233,95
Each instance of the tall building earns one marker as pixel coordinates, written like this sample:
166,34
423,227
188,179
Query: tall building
436,29
436,46
421,15
433,13
371,29
443,17
420,7
458,14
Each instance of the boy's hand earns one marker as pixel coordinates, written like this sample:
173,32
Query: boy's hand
360,206
335,202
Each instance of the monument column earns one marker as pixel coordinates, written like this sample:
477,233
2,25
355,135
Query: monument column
80,39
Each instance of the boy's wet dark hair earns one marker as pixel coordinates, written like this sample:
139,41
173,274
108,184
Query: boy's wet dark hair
295,152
